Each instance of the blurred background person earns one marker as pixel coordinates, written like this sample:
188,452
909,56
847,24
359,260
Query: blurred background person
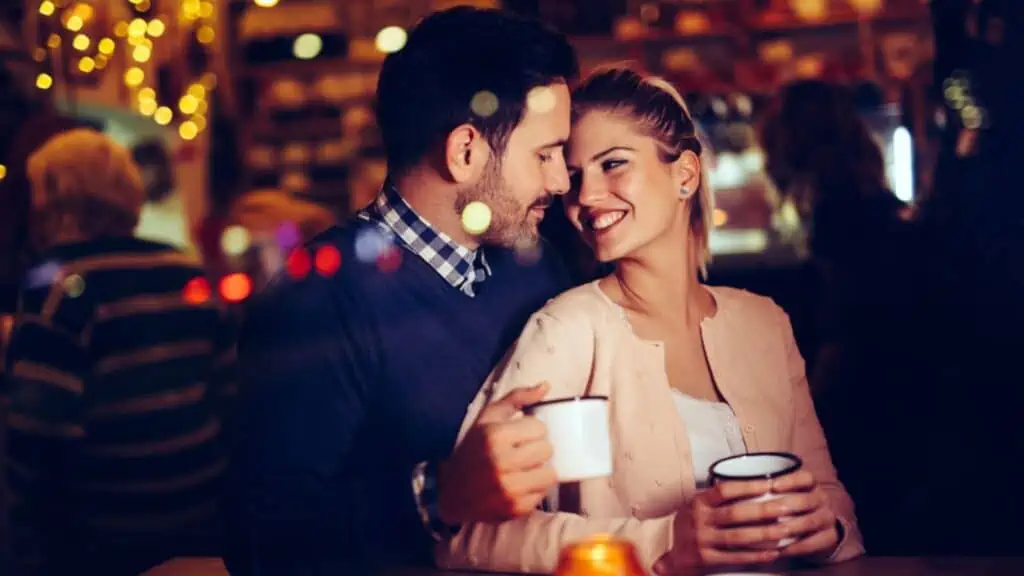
264,212
116,380
864,250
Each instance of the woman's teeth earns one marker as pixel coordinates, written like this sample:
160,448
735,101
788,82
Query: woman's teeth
607,220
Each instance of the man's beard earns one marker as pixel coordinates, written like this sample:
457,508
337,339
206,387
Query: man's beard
510,224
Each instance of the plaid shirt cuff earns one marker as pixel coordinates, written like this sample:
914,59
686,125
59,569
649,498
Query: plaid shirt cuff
424,490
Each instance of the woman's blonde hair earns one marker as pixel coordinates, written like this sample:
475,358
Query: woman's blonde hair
661,111
83,186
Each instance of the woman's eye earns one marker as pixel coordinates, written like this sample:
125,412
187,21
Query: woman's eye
609,165
545,158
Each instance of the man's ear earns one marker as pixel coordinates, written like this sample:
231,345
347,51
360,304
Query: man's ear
466,153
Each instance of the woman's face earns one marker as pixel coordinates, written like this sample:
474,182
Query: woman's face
623,195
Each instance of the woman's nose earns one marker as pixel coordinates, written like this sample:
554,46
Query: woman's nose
591,191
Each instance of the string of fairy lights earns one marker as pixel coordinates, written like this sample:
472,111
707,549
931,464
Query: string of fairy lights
77,39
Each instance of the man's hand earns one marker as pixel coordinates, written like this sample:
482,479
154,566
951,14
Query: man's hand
501,469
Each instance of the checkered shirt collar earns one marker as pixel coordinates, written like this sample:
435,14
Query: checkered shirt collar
459,266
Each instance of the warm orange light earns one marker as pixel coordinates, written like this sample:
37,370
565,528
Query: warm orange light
601,554
235,287
867,7
810,10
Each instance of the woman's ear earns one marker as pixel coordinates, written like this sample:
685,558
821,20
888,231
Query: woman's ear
466,153
686,172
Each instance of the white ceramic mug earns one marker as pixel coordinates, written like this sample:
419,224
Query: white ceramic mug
758,466
579,434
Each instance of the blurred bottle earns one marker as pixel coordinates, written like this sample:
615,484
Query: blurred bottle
602,555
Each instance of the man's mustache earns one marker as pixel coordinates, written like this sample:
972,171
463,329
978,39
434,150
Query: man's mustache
542,203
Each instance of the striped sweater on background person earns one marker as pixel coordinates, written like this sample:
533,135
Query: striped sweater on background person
116,390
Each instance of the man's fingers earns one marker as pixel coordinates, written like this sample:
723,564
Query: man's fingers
512,403
503,438
527,456
536,481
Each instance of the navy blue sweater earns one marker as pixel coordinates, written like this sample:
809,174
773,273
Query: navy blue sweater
347,382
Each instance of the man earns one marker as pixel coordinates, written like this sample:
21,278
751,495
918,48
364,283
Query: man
357,381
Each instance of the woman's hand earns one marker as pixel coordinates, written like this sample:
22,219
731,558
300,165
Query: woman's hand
809,518
725,526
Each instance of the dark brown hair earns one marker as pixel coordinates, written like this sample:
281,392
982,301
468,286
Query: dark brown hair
814,134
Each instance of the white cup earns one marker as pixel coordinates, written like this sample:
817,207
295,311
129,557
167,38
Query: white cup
578,432
758,466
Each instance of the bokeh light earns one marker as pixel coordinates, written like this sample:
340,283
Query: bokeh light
390,39
370,244
541,100
719,217
476,217
197,291
163,115
235,287
288,236
134,76
156,28
74,285
188,130
484,104
44,274
327,260
390,259
298,263
307,46
235,240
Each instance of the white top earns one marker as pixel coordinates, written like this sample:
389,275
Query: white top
713,430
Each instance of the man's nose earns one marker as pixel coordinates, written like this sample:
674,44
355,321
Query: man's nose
558,180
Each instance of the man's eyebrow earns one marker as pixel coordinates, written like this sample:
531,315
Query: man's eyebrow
556,144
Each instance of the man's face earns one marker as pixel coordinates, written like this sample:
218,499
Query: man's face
520,185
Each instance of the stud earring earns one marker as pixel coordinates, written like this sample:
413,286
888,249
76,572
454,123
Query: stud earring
684,192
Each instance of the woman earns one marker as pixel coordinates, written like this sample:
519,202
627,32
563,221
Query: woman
694,373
